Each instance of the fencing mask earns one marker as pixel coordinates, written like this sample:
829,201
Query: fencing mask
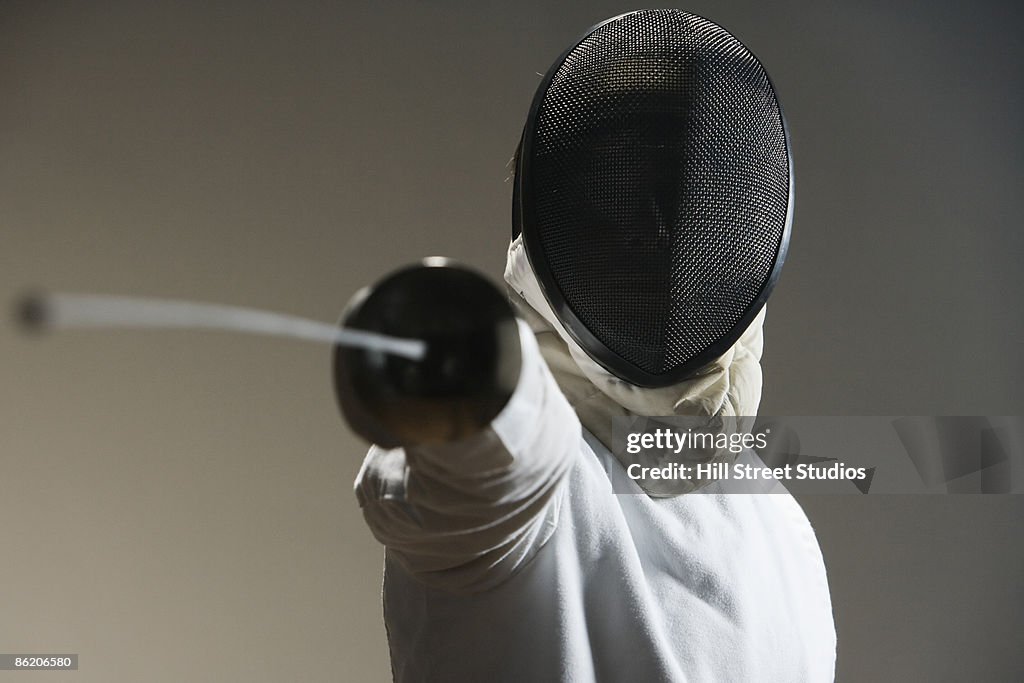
654,192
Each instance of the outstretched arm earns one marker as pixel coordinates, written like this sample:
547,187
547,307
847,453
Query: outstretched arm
465,515
473,440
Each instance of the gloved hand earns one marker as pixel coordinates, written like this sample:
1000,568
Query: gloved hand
468,374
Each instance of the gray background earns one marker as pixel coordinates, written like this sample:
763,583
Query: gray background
177,506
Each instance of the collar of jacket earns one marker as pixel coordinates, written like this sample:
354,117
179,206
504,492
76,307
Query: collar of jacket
729,386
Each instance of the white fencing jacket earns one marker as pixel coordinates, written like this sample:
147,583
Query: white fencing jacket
509,557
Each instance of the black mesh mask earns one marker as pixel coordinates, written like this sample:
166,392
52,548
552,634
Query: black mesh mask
654,192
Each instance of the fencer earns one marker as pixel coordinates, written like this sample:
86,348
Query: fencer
652,211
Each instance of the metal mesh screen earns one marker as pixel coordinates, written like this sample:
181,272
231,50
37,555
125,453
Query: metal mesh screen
659,185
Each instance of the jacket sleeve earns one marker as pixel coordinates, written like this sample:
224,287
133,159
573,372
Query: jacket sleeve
466,515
